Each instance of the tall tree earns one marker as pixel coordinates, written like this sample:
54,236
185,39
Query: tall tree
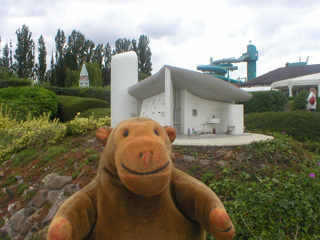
122,45
60,40
42,62
6,56
95,74
98,55
76,50
24,65
144,55
107,55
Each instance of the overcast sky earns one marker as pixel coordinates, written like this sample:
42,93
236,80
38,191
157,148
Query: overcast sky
182,33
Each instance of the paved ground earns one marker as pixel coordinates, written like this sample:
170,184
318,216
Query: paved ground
219,139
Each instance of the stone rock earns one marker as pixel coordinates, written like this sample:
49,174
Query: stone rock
17,177
40,198
70,190
1,174
46,221
17,237
53,196
30,222
13,156
6,163
17,220
13,206
188,158
31,211
9,192
54,181
76,166
205,162
7,231
46,169
223,163
4,234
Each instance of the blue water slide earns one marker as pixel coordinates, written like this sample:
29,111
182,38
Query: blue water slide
216,69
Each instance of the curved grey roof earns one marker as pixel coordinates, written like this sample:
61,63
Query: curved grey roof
199,84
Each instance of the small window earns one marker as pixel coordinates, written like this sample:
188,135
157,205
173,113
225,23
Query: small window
194,112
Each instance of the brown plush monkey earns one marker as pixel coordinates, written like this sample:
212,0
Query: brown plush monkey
138,194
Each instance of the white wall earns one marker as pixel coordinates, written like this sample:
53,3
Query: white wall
124,73
205,110
235,118
154,108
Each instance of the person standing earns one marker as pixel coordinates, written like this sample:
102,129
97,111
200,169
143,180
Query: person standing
312,107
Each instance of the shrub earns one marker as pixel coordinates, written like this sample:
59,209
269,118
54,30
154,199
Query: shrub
15,83
32,133
96,113
86,92
70,106
33,101
265,102
301,125
300,102
83,125
282,207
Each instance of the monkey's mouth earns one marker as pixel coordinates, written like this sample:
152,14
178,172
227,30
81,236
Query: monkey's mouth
146,173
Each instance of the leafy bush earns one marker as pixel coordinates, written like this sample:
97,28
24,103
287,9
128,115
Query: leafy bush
300,102
32,133
25,101
15,83
83,125
265,102
86,92
301,125
282,207
70,106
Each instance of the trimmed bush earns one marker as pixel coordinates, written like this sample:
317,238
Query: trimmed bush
268,101
86,92
15,83
69,106
301,125
95,113
29,101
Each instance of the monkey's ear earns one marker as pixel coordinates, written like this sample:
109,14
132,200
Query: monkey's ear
171,133
103,133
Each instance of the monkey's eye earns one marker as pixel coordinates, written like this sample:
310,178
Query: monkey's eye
156,132
126,133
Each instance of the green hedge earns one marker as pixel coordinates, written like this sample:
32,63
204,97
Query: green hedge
14,83
267,101
69,106
86,92
25,101
96,113
301,125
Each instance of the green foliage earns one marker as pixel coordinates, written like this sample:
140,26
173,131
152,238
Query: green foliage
72,79
300,102
18,82
5,73
24,157
301,125
95,74
25,101
69,106
32,133
91,92
265,102
282,207
96,113
83,125
24,53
